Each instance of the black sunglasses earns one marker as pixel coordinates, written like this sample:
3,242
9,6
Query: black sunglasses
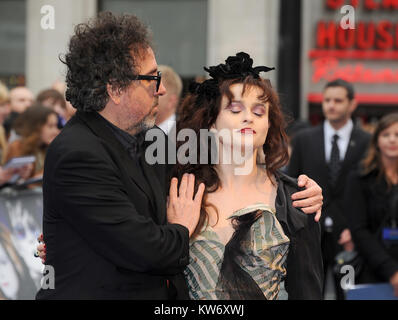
158,79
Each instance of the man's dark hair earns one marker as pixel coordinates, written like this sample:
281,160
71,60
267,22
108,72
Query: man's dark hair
342,83
106,50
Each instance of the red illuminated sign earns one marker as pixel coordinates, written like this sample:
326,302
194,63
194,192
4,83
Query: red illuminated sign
367,4
361,98
328,68
369,41
366,35
355,54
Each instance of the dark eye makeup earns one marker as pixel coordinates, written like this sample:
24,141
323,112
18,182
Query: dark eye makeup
236,107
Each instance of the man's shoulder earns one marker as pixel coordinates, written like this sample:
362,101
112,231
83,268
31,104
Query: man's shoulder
76,135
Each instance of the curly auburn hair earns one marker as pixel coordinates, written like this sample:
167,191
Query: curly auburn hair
103,51
203,115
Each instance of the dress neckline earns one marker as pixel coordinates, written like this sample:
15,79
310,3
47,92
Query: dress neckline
251,208
209,233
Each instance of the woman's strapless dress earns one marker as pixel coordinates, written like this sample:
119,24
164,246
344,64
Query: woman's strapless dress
250,266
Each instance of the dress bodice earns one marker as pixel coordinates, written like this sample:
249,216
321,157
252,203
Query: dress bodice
250,266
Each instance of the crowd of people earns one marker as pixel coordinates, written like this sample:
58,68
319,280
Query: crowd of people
214,235
28,125
358,174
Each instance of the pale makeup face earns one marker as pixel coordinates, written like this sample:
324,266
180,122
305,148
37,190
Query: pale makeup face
8,276
388,142
246,116
50,129
139,102
336,106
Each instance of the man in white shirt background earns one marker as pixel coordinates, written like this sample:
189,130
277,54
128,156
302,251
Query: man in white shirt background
327,153
168,103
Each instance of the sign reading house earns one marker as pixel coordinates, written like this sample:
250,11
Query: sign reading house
356,40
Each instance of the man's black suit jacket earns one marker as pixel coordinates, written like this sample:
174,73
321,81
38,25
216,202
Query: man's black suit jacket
308,157
104,221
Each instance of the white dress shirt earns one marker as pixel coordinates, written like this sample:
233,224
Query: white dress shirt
168,124
344,134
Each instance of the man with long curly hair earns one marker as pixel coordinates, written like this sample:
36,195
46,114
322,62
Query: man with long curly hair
104,208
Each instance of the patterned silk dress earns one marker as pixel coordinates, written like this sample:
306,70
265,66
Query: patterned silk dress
250,266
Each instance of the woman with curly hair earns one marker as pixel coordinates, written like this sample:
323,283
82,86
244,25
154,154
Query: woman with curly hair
250,242
372,206
37,127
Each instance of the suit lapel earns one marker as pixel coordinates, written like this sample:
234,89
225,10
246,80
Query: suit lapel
98,125
158,200
352,150
157,176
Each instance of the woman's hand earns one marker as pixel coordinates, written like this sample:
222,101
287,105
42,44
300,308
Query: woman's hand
41,249
26,171
309,200
182,207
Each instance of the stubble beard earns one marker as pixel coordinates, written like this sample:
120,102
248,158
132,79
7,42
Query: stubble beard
147,122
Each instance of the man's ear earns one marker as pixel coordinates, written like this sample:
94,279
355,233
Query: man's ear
353,105
113,93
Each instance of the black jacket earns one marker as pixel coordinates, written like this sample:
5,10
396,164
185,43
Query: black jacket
304,260
104,220
369,205
308,157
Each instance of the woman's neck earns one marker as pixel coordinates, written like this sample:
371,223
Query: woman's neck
233,175
391,168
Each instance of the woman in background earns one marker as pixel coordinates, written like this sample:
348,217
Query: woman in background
37,127
372,205
7,174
